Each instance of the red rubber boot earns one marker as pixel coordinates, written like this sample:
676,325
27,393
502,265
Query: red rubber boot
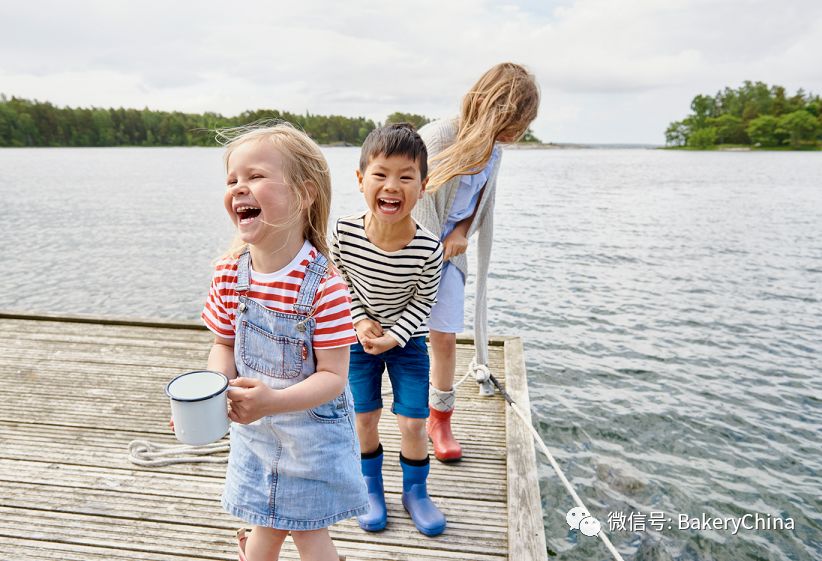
446,447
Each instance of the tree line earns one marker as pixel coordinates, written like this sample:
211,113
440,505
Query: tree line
753,114
33,123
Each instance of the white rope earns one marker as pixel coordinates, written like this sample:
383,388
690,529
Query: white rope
481,373
464,378
556,467
145,453
482,376
564,479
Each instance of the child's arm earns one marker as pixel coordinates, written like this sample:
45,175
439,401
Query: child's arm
456,243
254,400
221,357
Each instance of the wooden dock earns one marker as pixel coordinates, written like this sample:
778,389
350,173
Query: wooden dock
76,391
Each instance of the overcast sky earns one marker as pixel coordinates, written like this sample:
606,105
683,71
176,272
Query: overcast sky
609,70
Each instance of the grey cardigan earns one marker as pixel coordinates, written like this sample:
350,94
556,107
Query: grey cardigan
432,213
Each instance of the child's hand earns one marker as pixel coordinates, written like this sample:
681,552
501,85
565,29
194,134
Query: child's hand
379,345
367,329
454,244
249,400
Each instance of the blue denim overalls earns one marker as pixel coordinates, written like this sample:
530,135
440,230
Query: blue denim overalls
299,470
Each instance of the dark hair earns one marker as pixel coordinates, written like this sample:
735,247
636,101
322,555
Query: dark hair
398,139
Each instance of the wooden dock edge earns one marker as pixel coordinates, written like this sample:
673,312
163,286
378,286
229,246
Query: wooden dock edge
526,533
463,338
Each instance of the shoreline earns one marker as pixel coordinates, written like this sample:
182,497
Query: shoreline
743,148
580,146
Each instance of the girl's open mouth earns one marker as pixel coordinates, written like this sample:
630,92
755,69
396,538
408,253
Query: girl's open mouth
389,206
247,214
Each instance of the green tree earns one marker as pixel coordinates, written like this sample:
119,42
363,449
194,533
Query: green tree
799,127
28,130
779,102
703,107
763,131
676,134
702,138
417,120
796,102
729,129
529,136
736,113
10,133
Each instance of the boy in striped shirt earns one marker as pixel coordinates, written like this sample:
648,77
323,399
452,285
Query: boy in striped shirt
392,267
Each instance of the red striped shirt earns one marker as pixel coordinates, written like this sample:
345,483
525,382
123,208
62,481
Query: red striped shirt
278,291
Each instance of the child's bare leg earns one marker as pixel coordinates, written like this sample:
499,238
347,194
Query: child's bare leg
443,359
264,544
367,430
413,439
315,545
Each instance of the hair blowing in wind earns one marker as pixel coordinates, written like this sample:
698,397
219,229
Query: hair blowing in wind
504,99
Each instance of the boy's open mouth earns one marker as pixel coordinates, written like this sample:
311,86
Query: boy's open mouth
389,206
247,214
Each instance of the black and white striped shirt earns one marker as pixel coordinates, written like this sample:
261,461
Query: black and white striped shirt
395,288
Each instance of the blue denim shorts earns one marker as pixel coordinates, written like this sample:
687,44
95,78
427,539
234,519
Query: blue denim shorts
408,369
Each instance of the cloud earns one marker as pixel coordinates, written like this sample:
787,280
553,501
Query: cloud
366,59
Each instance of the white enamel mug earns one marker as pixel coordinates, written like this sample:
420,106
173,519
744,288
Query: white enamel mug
199,406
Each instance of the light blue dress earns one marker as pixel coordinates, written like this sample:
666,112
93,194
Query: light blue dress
298,470
448,314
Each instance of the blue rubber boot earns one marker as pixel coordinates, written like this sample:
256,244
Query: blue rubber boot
428,519
375,519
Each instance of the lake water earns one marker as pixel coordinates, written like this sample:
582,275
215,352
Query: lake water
669,303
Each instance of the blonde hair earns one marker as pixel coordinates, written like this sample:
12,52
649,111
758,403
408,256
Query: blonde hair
305,170
505,98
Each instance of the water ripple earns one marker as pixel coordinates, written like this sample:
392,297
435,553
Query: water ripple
669,304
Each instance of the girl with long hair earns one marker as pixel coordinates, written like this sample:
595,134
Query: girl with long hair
464,156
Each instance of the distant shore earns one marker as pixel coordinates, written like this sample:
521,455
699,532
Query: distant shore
744,148
579,146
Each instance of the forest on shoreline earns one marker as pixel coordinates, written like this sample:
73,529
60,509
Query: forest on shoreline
753,115
33,123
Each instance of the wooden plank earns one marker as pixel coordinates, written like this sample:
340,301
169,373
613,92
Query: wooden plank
42,441
89,456
206,512
198,484
84,529
182,534
526,537
64,468
21,317
27,547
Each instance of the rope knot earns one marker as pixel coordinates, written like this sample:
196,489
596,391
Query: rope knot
481,372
